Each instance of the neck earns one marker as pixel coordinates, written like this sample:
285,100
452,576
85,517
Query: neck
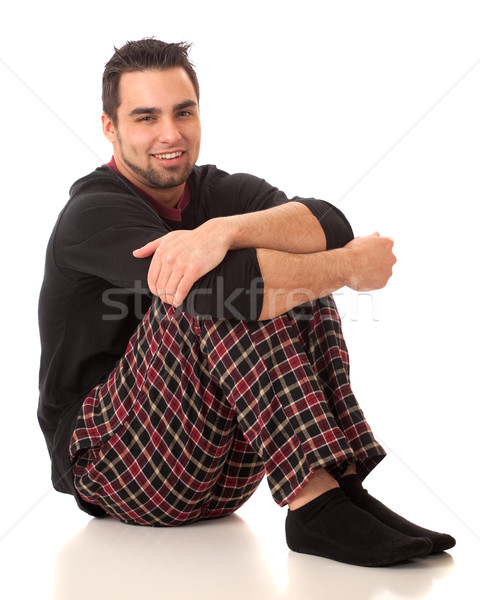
165,197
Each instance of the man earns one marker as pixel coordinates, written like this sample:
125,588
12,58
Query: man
167,407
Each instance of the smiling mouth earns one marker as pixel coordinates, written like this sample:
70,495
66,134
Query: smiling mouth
168,155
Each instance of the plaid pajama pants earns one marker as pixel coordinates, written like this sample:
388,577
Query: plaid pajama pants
198,410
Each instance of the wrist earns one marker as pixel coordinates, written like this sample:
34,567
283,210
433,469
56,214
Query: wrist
343,266
349,266
224,230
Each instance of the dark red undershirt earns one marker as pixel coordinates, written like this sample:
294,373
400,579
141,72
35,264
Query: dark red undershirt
173,214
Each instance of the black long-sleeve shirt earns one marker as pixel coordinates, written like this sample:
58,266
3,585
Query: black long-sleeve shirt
95,293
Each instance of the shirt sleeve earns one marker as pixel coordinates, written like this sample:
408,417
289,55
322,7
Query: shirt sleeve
97,233
233,290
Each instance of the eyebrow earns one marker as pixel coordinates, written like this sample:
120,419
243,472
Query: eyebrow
152,110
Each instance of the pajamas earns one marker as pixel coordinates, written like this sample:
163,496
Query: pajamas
198,410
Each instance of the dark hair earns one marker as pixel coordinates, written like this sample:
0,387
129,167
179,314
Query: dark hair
142,55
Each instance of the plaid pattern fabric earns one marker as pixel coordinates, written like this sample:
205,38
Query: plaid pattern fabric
198,410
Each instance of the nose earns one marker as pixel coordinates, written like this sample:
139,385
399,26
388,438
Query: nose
168,132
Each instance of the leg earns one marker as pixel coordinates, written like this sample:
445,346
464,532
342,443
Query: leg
287,380
335,373
240,476
320,332
320,482
156,444
286,412
330,362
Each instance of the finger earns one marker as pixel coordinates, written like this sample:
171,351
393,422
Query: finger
154,273
183,288
163,272
171,272
147,250
167,298
168,290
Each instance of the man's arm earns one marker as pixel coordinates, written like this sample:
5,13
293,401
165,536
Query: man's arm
364,264
181,257
291,277
290,228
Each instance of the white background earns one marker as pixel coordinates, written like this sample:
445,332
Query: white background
371,105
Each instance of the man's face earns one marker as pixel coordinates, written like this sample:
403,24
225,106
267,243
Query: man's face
157,136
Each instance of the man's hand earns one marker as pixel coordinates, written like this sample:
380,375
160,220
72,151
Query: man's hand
181,257
364,264
372,261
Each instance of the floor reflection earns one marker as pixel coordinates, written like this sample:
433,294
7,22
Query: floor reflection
335,581
218,559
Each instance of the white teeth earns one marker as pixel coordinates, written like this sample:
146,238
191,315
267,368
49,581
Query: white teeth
168,155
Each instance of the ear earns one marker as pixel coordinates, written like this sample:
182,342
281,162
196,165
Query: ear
108,128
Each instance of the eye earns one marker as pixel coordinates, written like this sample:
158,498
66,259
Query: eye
185,113
145,119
